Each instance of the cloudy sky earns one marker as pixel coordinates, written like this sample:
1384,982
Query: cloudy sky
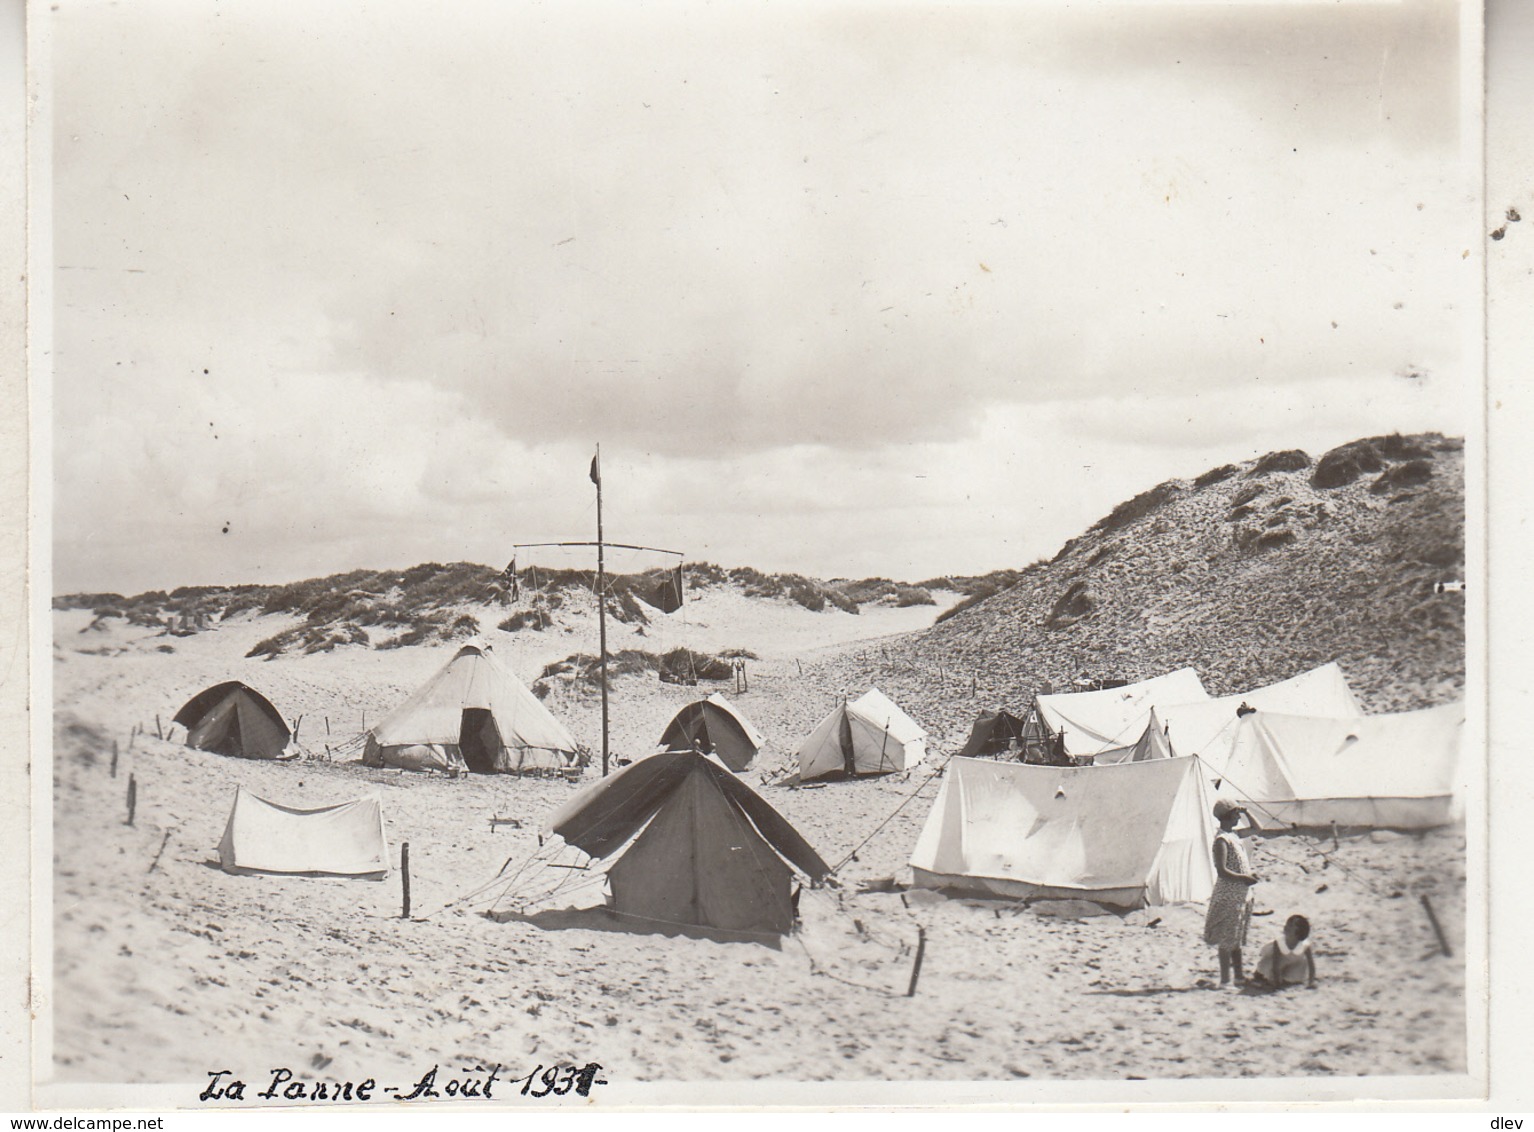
845,288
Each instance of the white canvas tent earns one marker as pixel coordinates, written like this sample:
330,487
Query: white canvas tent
1207,728
869,735
346,839
472,715
1112,717
1127,835
1397,771
1152,744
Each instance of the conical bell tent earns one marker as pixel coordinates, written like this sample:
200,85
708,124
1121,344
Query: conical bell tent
472,715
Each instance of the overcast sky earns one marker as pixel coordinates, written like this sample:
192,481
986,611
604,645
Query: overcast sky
848,289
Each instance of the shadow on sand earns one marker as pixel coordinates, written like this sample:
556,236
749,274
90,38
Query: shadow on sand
1152,992
606,920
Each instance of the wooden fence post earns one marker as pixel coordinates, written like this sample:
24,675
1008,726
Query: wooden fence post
164,841
404,872
158,732
1432,918
921,950
132,797
114,758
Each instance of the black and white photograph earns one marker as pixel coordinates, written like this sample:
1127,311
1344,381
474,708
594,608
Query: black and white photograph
782,552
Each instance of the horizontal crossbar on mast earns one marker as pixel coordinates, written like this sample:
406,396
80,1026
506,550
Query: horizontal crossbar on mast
619,545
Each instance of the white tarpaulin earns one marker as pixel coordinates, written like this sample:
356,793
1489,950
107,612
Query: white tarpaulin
870,735
1130,835
1115,717
341,840
1400,771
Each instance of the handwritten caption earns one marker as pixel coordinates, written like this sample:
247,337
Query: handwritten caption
478,1083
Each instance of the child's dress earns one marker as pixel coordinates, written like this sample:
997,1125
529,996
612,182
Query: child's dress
1230,904
1280,967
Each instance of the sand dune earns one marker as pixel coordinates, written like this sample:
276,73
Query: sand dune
164,973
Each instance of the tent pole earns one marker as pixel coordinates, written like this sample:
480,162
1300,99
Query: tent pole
596,466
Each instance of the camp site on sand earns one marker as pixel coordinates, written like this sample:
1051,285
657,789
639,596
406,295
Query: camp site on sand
949,828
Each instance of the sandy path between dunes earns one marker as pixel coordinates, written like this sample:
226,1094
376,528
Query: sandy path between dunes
166,974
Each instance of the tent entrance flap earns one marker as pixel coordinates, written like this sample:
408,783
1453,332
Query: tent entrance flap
479,740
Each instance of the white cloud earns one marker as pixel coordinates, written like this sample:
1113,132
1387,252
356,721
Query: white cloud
845,290
331,475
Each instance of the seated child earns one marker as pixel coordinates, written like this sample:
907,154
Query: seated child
1288,961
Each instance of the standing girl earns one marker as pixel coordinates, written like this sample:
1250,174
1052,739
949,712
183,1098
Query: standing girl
1230,905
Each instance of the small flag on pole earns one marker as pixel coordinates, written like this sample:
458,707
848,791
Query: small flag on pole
509,578
596,469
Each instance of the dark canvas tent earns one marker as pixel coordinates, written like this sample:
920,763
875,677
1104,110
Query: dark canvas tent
714,726
687,843
993,734
231,719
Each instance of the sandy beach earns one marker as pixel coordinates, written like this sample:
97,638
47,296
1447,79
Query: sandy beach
166,967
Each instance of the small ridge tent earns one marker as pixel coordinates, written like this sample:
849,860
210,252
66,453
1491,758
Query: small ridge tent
1397,771
714,726
231,719
1101,720
1152,744
687,843
1127,835
1207,728
870,735
994,733
472,715
341,840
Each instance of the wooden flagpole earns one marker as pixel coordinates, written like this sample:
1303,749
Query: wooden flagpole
596,477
